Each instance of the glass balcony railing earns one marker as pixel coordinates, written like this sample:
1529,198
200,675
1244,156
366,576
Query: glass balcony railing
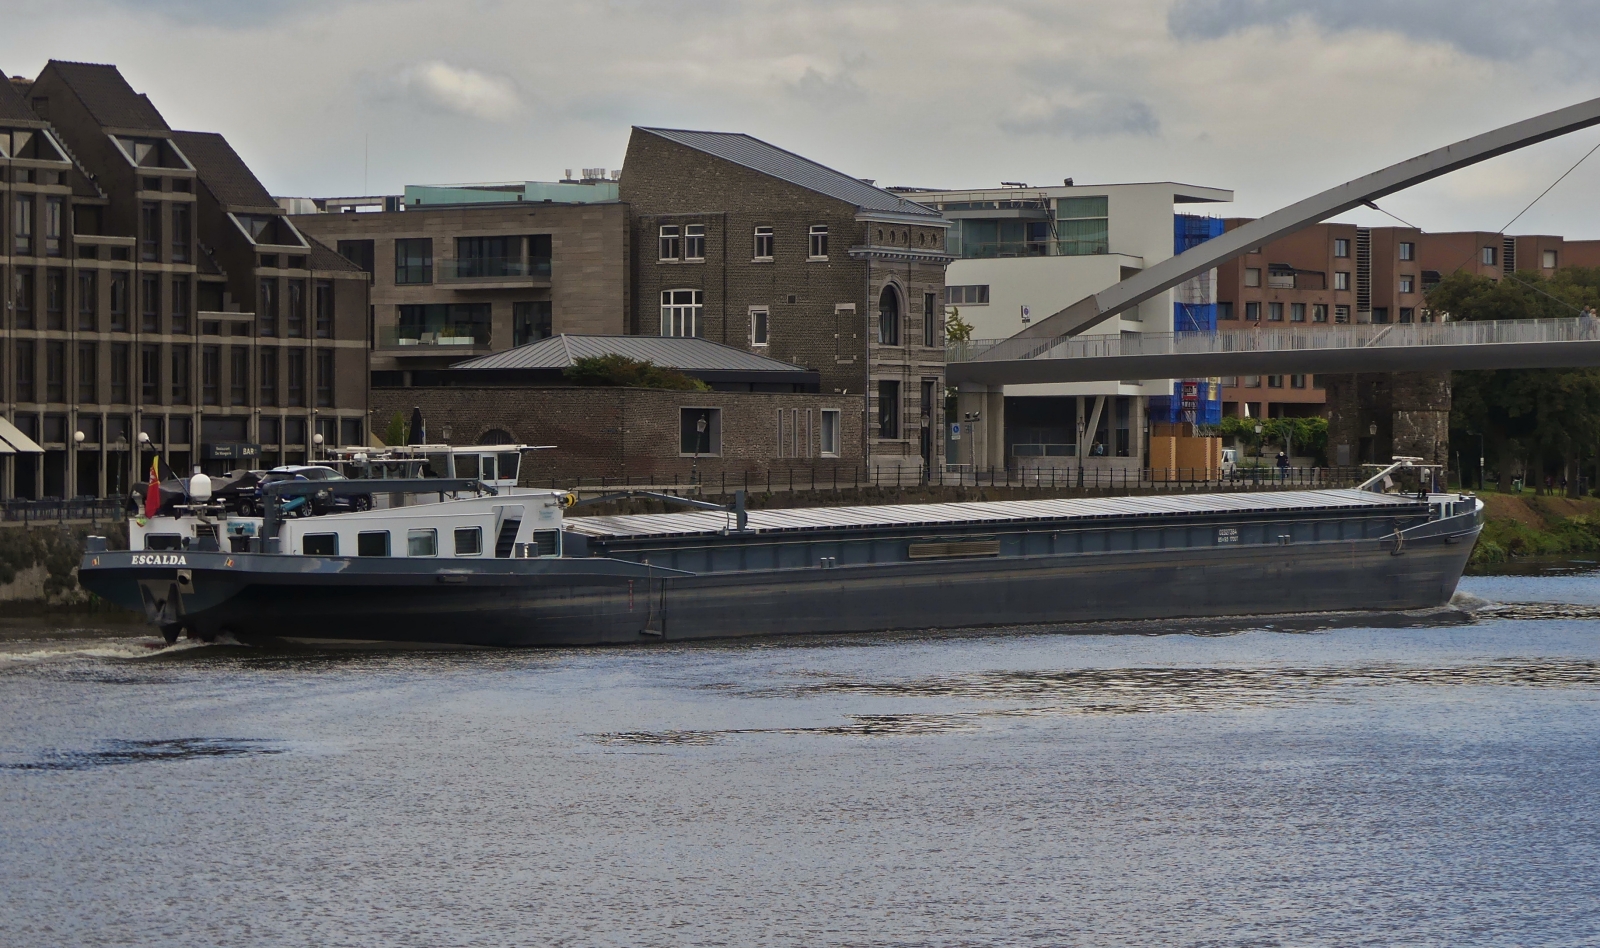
493,268
985,250
460,335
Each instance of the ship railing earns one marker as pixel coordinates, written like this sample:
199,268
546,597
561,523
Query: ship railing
272,494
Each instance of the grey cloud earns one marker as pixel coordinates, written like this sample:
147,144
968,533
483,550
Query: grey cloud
1489,30
1099,117
228,14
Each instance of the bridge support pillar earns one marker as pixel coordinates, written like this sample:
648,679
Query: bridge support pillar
1374,416
982,412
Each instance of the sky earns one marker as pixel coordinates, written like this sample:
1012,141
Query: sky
1274,99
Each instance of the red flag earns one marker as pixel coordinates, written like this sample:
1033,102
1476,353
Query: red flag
152,493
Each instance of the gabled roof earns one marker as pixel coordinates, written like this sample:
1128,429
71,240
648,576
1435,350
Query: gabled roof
12,106
689,355
757,155
108,97
223,172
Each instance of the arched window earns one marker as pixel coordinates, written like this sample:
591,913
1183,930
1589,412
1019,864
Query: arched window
889,316
496,436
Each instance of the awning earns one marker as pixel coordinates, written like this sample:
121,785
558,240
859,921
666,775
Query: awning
16,441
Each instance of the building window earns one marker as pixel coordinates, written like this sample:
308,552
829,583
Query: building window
413,260
830,433
1252,312
1489,256
27,371
267,311
1408,284
295,362
239,375
54,210
150,375
88,300
1319,312
120,394
1408,314
1341,279
530,322
180,304
819,242
1297,381
23,298
1225,311
1380,314
150,231
297,309
180,233
22,225
1124,434
55,371
1408,251
325,378
694,242
1341,314
888,409
1274,381
1082,228
889,317
758,326
1274,312
1252,381
680,312
211,375
1341,247
700,432
88,374
1252,276
324,303
975,295
55,299
180,375
267,378
362,253
487,257
669,242
1549,260
763,248
1297,312
350,435
930,319
119,302
149,303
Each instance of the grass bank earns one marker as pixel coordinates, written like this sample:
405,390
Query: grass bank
1527,524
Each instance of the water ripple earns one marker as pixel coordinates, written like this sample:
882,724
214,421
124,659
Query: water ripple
112,753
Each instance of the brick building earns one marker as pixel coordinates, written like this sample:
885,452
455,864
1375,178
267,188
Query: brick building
740,242
763,417
154,290
464,271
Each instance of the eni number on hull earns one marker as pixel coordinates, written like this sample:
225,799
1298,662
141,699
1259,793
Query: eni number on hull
478,565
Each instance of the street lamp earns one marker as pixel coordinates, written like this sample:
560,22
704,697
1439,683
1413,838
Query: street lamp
1258,451
316,441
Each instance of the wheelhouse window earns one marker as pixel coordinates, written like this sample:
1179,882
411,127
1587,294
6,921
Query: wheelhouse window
372,543
422,542
681,311
763,244
700,432
819,242
694,242
413,260
469,541
320,544
670,242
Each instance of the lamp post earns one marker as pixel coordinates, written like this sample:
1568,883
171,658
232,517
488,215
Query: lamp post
316,441
1372,432
699,432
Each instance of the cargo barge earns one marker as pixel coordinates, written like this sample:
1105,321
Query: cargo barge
487,568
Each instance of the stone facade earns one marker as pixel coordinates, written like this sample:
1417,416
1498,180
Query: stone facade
637,433
1375,416
823,311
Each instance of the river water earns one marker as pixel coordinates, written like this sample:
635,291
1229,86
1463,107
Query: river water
1432,782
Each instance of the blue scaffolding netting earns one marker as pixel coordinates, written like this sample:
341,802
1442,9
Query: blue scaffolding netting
1194,401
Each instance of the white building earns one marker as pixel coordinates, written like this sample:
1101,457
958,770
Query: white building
1024,253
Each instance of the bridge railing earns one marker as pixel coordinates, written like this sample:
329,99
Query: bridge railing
1276,339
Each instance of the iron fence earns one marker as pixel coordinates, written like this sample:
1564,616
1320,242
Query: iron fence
57,511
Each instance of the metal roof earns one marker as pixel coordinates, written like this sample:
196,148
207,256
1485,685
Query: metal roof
995,512
757,155
670,352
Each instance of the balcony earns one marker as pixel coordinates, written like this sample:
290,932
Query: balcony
494,273
454,342
991,249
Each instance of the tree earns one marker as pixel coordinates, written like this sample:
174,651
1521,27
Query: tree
1548,419
395,433
956,329
621,371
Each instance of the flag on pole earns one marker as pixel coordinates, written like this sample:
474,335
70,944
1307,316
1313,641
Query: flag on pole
152,493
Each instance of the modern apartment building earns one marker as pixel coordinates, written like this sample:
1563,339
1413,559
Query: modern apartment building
1341,274
1023,253
460,271
157,299
742,243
